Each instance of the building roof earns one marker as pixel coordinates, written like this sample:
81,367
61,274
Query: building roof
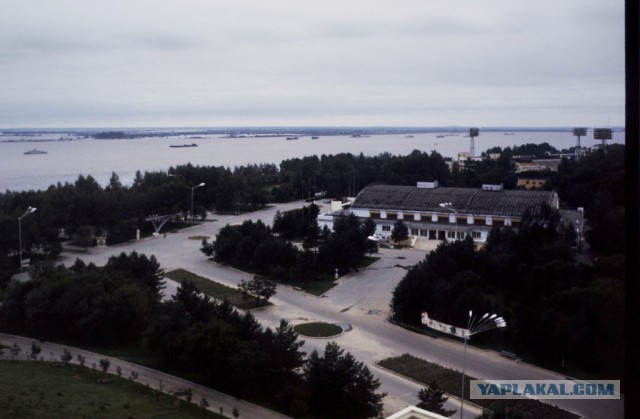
413,412
464,200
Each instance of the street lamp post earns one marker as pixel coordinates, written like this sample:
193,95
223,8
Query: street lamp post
447,205
193,189
29,210
475,326
579,234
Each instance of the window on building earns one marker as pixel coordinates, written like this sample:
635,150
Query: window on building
488,221
414,232
507,221
475,234
386,228
451,234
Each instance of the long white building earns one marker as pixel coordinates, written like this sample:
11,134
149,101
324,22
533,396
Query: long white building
434,213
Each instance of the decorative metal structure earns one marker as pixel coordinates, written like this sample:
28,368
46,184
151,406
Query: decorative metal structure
474,326
159,221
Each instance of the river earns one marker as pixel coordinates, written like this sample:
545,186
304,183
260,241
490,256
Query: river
68,155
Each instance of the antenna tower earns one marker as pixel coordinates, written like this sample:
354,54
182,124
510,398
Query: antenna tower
602,134
579,132
473,132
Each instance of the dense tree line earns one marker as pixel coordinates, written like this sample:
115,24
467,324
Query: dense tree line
120,303
233,353
560,313
112,304
295,224
596,183
253,247
120,209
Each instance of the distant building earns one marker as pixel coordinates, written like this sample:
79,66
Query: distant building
434,213
465,156
537,165
530,182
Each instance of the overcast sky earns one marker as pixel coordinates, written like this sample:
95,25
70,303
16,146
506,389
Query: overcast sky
212,63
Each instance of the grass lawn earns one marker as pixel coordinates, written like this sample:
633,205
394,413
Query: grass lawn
327,281
214,289
449,381
55,390
368,260
315,286
318,329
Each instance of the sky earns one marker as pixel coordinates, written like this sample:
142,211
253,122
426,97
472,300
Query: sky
223,63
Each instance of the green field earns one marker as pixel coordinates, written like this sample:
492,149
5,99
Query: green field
327,281
318,329
214,289
30,389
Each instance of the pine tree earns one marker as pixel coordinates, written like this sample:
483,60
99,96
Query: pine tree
432,398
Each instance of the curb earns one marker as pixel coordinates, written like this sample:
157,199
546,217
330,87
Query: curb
466,401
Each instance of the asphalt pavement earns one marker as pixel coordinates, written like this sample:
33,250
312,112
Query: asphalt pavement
361,300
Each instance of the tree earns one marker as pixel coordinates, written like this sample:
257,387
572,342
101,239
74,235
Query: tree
312,239
400,232
369,227
84,236
259,288
280,358
340,386
345,246
146,271
432,398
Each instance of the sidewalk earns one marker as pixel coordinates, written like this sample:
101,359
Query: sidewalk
157,380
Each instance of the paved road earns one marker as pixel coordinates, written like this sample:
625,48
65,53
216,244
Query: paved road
154,379
362,300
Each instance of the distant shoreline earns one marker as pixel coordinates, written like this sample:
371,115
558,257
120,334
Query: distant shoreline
282,130
27,140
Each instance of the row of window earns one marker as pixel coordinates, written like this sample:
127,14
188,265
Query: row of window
435,218
439,234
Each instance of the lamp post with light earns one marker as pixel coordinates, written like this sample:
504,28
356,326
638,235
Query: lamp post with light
475,326
30,210
193,189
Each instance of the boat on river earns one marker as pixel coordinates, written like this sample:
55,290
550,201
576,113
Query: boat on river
183,145
35,151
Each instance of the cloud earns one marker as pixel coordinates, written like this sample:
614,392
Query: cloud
290,61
